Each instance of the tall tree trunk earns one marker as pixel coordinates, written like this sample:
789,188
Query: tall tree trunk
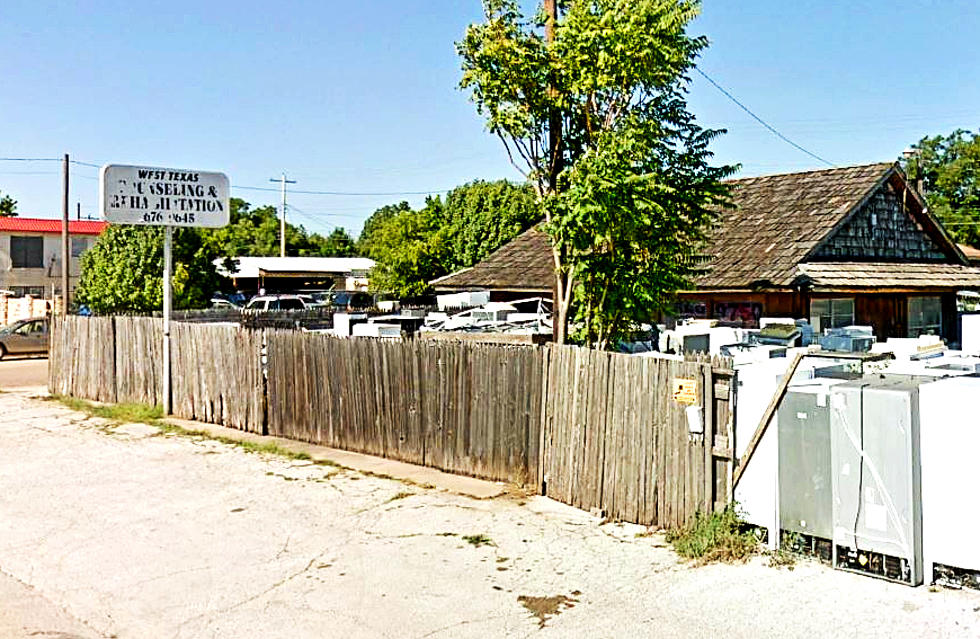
562,281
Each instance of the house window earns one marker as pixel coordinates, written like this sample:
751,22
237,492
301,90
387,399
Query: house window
833,313
21,291
27,252
925,316
78,246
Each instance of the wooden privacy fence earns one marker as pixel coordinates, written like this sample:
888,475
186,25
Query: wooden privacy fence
216,377
465,408
82,358
618,435
647,440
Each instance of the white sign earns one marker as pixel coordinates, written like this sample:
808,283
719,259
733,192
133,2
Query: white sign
163,197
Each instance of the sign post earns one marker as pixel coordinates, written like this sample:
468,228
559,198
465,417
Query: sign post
168,277
164,197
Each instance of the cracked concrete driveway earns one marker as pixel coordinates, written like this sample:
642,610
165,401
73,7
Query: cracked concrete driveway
124,532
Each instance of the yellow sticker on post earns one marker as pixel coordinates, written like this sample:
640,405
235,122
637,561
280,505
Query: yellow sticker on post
685,391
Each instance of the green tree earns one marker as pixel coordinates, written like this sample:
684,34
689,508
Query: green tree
949,166
338,243
590,105
474,220
123,271
8,206
367,239
409,252
255,232
480,217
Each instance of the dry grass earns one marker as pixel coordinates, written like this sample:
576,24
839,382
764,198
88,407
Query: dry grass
718,537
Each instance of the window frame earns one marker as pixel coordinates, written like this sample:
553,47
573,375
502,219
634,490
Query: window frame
79,241
832,313
915,329
19,255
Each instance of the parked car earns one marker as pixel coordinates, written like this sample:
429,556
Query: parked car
351,300
222,303
316,299
276,303
26,337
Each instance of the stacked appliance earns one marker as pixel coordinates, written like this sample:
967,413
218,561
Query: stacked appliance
877,518
950,439
850,339
805,496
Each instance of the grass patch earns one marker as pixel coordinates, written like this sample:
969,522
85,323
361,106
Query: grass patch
478,540
718,537
400,495
153,416
780,558
122,413
788,552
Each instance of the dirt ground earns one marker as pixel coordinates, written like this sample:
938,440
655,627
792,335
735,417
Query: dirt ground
23,371
126,532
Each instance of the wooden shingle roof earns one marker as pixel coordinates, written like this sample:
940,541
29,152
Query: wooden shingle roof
779,219
889,275
524,264
777,223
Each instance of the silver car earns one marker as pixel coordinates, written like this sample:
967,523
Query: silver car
26,337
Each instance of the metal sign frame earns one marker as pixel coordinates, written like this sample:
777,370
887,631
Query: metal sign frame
154,196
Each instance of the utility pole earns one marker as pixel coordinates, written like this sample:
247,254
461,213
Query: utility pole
78,210
65,254
282,217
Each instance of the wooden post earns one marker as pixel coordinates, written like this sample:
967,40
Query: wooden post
65,253
766,419
708,441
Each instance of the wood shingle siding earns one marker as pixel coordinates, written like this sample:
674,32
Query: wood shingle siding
882,228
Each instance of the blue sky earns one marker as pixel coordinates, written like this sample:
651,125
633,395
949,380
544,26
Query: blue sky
361,96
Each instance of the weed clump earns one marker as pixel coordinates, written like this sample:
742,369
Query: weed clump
718,537
478,540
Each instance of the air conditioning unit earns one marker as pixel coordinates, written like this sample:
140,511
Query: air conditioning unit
852,339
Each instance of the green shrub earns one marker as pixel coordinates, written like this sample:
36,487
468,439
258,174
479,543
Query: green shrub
718,537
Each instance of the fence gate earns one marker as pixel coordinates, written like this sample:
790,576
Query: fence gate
645,440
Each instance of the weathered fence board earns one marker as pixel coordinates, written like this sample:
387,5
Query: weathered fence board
465,408
139,360
82,360
593,429
616,440
217,375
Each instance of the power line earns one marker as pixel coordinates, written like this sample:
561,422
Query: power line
262,188
311,218
342,193
86,164
319,214
761,121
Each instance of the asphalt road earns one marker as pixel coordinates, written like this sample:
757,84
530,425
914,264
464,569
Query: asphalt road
123,531
23,372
